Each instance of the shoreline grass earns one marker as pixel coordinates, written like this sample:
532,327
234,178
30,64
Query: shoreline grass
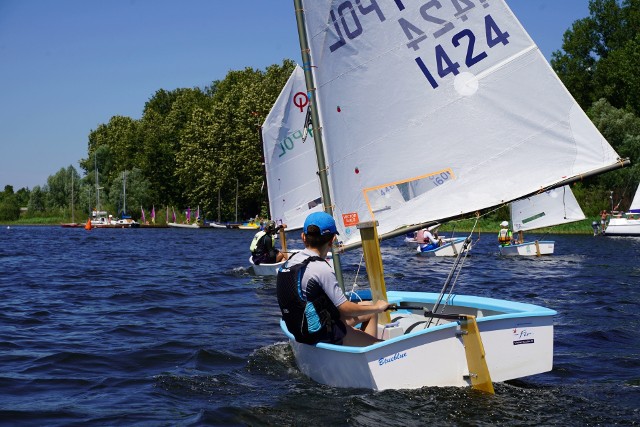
463,225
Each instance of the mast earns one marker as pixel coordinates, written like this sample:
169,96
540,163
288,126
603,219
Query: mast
236,200
95,162
72,213
218,204
317,134
124,192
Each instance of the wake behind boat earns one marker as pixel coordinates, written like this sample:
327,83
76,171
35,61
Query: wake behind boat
470,91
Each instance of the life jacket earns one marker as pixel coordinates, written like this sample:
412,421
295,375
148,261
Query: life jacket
504,237
309,322
256,248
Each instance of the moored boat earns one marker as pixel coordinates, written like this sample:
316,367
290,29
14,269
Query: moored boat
627,224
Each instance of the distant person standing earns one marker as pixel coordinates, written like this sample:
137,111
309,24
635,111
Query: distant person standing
603,220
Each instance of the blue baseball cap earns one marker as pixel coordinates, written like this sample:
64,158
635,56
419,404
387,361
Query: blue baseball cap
323,221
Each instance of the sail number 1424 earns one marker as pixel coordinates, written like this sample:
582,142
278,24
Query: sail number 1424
346,18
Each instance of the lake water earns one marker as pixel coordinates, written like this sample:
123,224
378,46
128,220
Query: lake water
167,327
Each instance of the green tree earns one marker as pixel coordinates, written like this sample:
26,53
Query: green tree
601,53
622,129
9,207
37,201
228,137
137,192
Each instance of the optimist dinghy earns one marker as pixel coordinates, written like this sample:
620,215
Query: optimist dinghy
462,82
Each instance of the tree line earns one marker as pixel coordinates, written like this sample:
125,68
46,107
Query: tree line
195,147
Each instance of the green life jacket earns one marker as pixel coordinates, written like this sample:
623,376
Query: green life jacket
254,247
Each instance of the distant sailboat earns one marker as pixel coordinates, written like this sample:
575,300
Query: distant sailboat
187,223
73,222
125,221
290,163
553,207
217,224
290,157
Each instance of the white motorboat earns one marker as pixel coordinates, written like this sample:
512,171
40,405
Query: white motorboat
627,224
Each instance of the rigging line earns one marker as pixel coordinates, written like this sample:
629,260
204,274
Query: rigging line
462,265
355,279
451,272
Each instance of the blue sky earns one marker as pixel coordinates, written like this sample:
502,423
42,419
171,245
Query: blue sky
67,66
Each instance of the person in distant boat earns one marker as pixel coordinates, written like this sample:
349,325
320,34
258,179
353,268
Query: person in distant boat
505,237
262,246
314,307
427,240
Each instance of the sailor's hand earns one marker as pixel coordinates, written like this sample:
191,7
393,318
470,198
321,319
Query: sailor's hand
381,306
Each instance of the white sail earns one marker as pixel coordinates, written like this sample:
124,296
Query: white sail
553,207
448,101
290,157
635,203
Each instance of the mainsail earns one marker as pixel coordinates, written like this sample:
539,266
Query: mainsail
290,157
549,208
450,103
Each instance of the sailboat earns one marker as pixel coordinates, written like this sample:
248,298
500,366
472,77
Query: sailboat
627,224
549,208
99,218
431,98
290,163
216,224
187,223
290,157
73,223
125,220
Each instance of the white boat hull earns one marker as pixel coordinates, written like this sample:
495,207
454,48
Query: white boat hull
272,269
179,225
623,227
216,225
528,249
265,269
451,248
517,339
